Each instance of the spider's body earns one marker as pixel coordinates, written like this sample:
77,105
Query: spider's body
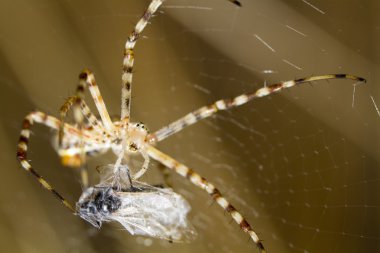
93,143
97,135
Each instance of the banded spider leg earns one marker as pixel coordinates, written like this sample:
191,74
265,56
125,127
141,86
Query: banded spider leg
226,104
100,137
87,80
127,75
129,56
73,142
207,111
22,147
124,137
76,102
204,184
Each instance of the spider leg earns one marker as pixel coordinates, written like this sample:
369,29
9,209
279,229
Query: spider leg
129,58
85,110
204,184
22,148
144,168
87,80
80,109
225,104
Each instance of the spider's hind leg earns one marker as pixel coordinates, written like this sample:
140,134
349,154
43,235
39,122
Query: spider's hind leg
204,184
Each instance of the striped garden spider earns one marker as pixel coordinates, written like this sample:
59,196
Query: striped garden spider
92,135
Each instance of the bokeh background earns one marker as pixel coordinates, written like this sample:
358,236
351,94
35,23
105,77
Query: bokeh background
302,165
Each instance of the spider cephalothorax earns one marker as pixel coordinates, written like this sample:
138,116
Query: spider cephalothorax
136,135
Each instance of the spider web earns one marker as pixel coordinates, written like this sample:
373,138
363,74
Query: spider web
302,166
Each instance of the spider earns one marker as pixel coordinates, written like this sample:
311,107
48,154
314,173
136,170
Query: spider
93,136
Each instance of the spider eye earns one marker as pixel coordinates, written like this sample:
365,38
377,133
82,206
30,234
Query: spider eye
133,146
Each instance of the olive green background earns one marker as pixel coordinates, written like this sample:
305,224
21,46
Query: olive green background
302,166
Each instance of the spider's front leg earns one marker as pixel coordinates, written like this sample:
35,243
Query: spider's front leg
128,60
226,104
204,184
87,80
80,109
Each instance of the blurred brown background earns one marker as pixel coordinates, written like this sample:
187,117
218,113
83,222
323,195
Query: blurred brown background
302,166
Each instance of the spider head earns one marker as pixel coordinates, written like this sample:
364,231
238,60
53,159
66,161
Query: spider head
137,136
97,204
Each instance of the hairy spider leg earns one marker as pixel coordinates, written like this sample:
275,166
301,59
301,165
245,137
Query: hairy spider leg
225,104
22,147
204,184
129,59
